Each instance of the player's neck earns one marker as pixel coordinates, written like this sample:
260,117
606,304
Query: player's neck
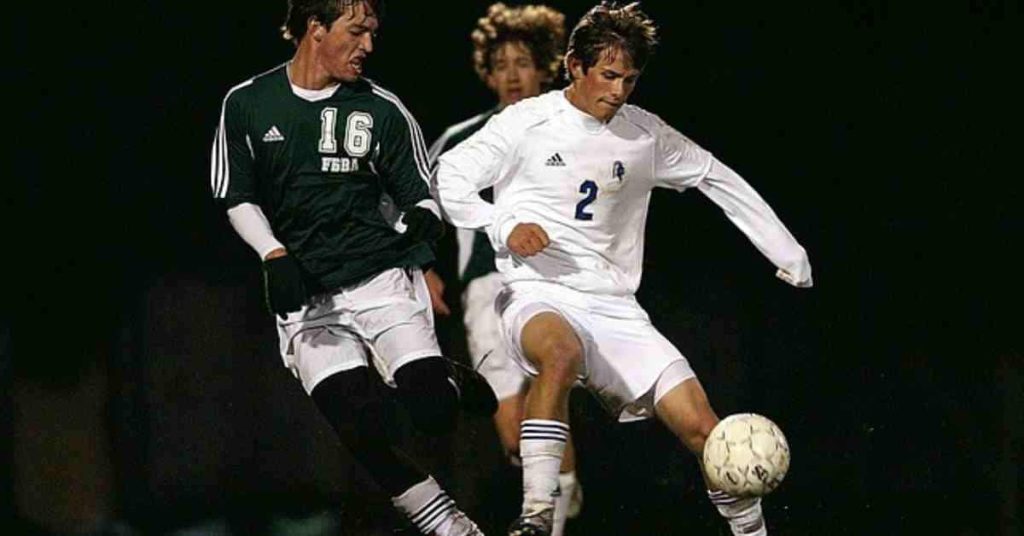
305,72
580,104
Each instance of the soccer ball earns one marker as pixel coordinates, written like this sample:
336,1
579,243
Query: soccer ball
746,455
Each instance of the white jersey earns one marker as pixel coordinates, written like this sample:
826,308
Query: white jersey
588,185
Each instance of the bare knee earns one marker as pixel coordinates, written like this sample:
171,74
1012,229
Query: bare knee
695,434
559,361
686,411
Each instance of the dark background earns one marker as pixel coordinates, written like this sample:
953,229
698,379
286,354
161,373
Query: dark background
141,384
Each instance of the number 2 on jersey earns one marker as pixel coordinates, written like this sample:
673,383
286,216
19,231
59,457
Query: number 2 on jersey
589,188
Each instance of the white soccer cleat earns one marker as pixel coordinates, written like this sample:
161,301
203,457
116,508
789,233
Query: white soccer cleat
536,525
459,524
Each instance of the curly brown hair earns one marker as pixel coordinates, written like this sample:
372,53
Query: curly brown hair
538,27
608,25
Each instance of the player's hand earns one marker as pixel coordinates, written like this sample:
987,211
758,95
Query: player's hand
797,280
527,239
422,225
282,284
435,285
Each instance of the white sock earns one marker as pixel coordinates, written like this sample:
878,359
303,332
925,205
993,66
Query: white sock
743,514
426,505
541,445
566,487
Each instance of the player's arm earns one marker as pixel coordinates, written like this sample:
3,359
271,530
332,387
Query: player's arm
748,211
472,166
405,171
680,164
233,182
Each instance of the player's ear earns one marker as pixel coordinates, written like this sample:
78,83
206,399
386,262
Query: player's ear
574,66
315,28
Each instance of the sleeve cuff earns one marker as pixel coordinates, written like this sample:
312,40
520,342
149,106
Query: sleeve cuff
251,224
500,229
432,206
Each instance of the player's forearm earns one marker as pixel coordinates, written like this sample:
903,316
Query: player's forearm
460,198
251,224
751,214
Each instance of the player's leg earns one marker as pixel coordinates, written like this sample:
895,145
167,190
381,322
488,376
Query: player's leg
331,363
506,423
685,410
423,388
491,358
401,334
569,499
637,372
348,402
551,345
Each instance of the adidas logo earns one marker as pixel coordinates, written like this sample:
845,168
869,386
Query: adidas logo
273,135
555,160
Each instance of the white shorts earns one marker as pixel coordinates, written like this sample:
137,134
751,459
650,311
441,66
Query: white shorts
387,319
483,335
624,356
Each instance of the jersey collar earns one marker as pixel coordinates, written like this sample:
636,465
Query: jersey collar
578,117
311,95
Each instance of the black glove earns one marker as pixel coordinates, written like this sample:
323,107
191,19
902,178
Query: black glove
422,225
282,283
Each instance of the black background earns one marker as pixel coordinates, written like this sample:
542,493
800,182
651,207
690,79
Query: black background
883,135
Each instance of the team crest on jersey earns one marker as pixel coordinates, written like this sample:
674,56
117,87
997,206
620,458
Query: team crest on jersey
618,170
617,179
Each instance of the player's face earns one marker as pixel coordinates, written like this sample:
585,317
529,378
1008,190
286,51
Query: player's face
513,75
606,86
349,41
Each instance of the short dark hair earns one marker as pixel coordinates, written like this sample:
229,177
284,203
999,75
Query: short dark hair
541,29
323,11
608,25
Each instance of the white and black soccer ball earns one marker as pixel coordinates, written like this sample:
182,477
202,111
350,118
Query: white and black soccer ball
746,455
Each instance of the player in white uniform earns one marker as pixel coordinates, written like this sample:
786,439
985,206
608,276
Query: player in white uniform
517,52
572,173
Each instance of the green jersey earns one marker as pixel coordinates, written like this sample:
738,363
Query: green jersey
316,163
476,255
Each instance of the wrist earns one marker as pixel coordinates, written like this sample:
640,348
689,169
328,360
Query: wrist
501,230
275,253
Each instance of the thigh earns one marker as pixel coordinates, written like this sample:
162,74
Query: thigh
392,313
624,361
319,352
686,411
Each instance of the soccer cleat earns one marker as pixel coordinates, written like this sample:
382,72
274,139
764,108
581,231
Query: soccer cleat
461,525
530,526
475,394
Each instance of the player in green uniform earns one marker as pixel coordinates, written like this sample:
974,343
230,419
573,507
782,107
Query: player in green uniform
516,52
300,158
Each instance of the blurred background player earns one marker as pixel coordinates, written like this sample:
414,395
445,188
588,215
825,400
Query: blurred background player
572,172
300,158
517,52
